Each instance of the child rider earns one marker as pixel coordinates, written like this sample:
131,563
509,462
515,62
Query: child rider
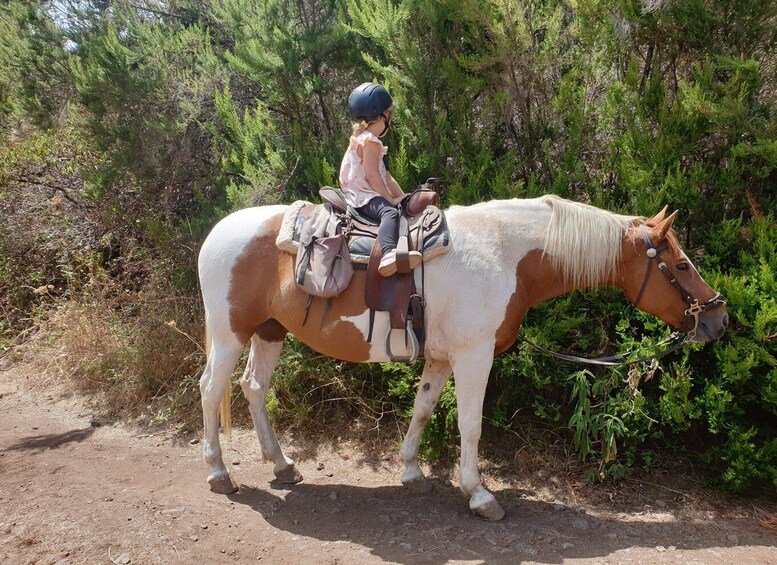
367,185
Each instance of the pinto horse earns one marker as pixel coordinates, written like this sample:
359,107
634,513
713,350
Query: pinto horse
505,257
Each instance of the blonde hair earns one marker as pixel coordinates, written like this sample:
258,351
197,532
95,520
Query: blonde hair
359,127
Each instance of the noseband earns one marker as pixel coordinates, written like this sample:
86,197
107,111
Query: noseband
691,319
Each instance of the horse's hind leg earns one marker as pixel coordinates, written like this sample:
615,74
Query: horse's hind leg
255,383
222,358
435,375
470,372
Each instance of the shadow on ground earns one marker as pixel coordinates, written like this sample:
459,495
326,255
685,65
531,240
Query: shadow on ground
399,526
50,441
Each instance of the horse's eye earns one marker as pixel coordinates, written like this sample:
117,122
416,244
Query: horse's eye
682,266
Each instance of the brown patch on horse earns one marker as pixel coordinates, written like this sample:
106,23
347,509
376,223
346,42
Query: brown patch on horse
264,299
272,331
536,282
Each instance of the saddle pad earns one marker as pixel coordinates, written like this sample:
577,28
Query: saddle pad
359,246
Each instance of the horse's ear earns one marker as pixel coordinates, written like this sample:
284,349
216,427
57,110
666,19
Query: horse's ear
658,218
663,227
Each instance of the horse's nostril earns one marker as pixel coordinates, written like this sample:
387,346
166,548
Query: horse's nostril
724,321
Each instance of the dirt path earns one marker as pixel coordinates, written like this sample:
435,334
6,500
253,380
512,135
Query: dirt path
73,492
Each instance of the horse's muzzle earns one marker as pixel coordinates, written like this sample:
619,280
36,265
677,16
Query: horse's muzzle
712,325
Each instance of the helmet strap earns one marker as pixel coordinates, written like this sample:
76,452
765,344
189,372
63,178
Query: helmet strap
386,125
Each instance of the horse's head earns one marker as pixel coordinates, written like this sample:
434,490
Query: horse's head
659,278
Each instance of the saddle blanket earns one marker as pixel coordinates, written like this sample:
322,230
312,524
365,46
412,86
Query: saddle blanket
359,246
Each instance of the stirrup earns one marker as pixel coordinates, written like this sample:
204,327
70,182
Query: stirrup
414,347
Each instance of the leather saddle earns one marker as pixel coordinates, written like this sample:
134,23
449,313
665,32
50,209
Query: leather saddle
422,227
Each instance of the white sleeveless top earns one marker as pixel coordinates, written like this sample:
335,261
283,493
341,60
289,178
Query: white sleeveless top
353,179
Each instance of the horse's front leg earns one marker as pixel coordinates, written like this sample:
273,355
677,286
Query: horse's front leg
435,375
223,356
470,372
255,384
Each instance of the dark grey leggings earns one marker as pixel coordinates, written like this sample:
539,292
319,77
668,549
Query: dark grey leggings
380,210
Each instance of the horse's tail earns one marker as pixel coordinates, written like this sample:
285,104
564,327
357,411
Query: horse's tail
225,408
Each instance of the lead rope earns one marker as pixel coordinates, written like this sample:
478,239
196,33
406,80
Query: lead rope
611,361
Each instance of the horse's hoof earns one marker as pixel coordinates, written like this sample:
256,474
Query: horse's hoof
223,485
289,475
418,485
490,511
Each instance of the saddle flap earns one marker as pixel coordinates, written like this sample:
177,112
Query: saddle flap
388,294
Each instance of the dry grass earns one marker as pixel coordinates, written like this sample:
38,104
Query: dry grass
139,351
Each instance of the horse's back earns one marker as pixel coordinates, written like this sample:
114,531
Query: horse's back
235,231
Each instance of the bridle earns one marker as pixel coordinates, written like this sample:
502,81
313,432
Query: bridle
691,320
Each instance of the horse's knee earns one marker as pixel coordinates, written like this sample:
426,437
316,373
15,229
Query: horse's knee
252,389
470,431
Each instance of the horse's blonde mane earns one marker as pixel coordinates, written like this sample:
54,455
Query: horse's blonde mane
584,242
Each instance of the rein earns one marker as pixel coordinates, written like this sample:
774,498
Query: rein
690,321
613,360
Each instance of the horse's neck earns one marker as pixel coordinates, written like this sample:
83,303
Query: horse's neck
541,282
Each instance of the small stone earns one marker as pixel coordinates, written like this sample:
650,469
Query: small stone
194,441
333,495
223,551
296,522
558,506
567,545
732,538
123,559
612,535
580,524
660,548
320,467
671,548
330,474
194,538
236,461
205,526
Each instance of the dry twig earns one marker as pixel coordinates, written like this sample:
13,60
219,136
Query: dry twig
767,520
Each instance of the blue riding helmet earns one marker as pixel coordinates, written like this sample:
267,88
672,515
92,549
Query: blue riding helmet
368,101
